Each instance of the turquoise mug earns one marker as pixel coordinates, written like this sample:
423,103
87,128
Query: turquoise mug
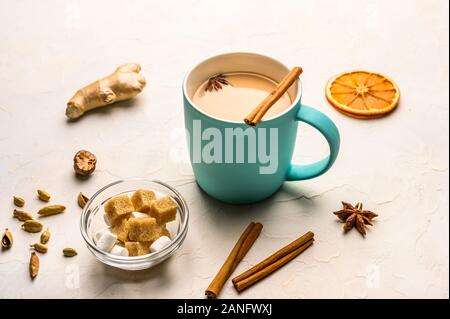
240,164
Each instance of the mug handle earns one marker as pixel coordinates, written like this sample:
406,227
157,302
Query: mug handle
324,125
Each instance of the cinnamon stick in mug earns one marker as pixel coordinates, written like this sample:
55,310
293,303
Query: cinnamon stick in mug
258,113
242,246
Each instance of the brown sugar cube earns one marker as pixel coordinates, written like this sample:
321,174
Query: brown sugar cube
121,229
137,248
142,200
165,232
143,229
164,210
118,206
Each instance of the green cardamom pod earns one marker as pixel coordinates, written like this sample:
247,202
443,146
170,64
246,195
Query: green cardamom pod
45,236
82,200
43,195
34,265
69,252
32,226
51,210
18,201
41,248
7,239
21,215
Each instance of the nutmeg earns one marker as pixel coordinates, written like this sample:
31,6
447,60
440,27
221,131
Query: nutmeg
84,162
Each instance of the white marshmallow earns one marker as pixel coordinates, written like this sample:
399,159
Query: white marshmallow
138,215
105,217
98,234
119,250
160,243
107,241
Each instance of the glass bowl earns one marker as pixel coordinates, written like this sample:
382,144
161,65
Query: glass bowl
92,218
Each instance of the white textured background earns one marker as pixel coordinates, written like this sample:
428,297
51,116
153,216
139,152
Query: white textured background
397,166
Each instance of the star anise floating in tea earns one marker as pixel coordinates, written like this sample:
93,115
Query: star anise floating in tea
216,82
355,216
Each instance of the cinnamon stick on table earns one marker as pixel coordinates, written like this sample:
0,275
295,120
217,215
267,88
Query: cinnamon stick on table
242,246
272,263
258,113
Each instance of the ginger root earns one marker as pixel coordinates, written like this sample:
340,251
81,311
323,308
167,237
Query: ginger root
126,82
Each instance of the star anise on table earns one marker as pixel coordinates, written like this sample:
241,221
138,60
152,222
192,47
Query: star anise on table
355,216
215,83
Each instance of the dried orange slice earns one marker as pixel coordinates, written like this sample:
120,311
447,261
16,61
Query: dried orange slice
362,94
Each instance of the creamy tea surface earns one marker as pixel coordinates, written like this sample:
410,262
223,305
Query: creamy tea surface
234,101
